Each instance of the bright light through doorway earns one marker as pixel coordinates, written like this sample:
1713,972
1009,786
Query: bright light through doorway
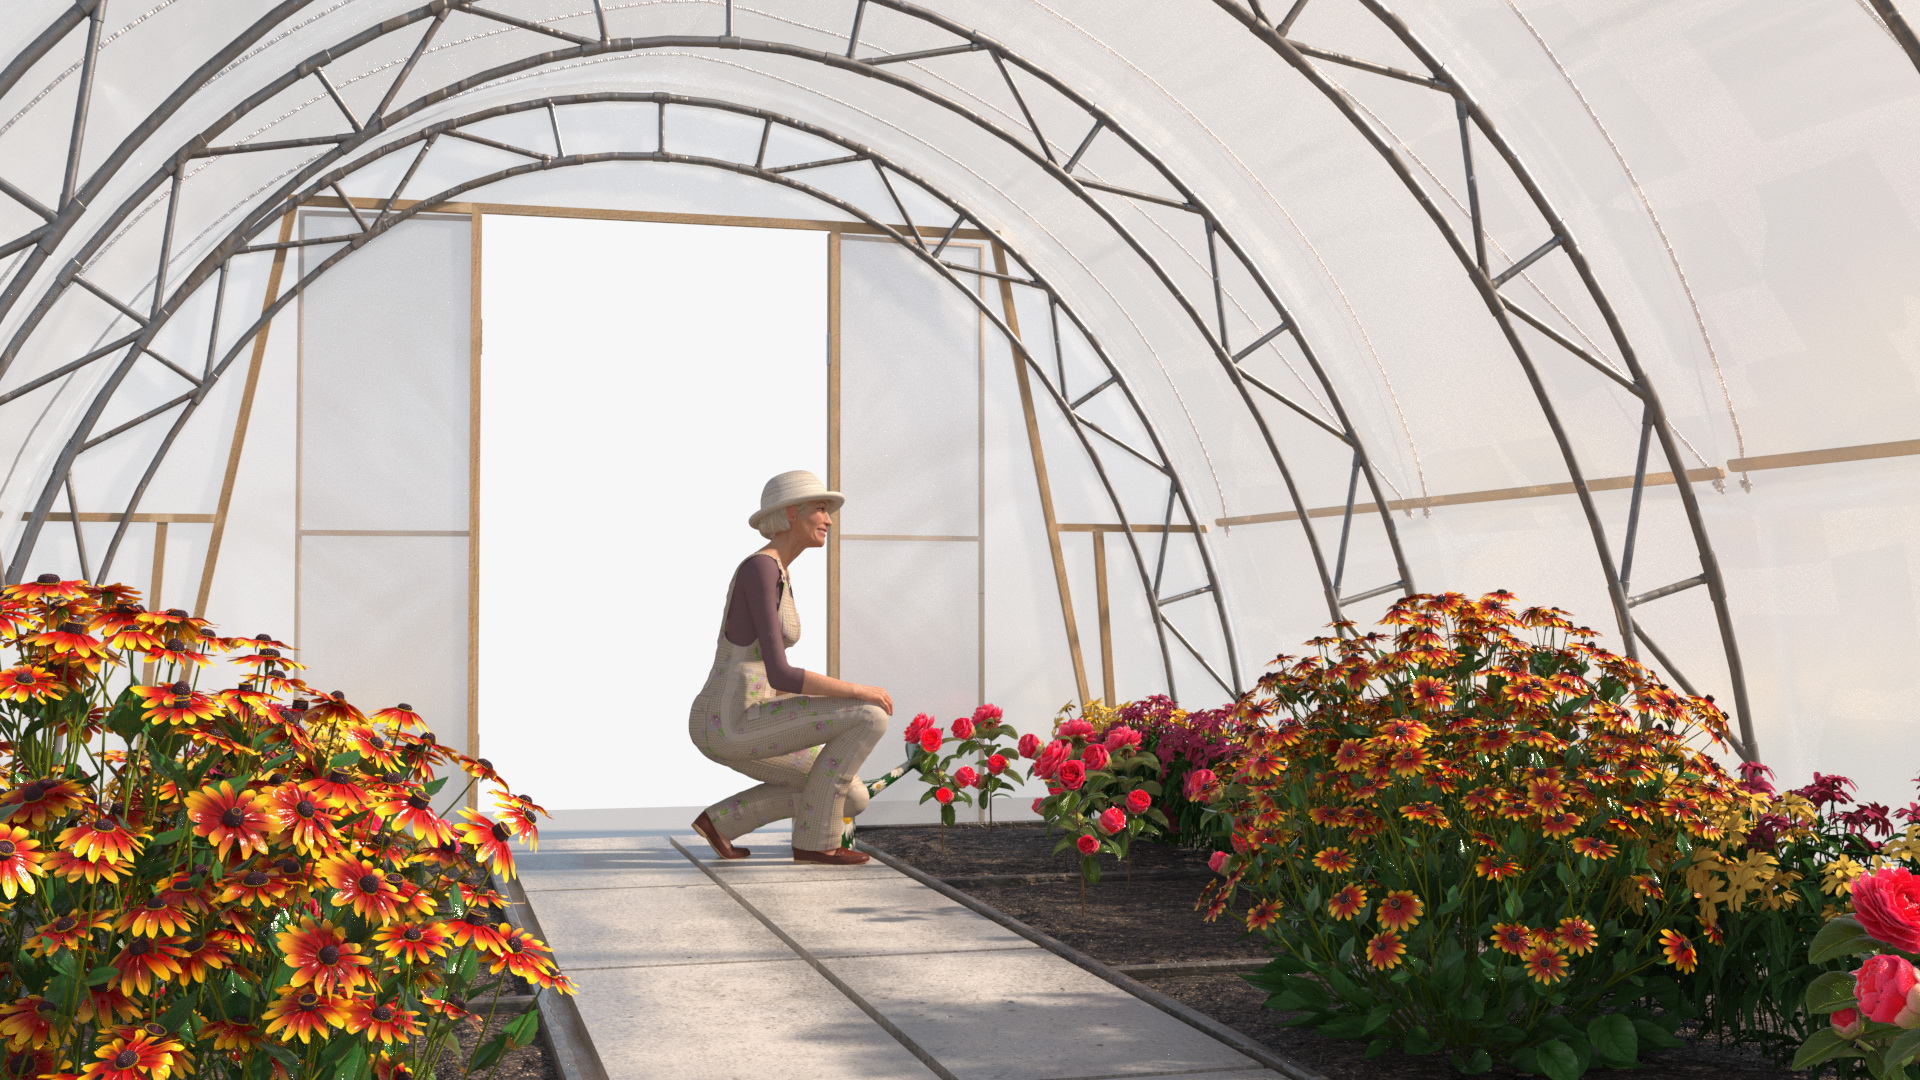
640,381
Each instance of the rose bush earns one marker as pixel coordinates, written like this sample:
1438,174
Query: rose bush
1875,1009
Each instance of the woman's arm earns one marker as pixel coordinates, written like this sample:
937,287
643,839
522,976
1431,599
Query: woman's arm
757,584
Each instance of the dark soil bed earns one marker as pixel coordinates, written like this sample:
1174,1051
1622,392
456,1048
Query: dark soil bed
1152,921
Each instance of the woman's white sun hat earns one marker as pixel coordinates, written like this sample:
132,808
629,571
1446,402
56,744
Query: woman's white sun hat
791,489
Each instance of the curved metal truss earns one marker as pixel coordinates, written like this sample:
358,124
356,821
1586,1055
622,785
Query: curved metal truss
1234,326
1477,127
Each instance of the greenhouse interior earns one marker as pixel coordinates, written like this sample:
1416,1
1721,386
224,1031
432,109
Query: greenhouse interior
1356,539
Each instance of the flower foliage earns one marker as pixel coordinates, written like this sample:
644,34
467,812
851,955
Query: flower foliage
1471,834
976,739
244,882
1874,1011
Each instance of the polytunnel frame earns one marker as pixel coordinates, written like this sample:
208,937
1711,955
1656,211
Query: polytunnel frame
1216,337
391,215
1473,261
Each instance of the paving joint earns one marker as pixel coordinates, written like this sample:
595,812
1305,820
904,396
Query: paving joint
1175,1009
573,1051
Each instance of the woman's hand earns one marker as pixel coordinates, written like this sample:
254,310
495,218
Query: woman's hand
818,685
874,695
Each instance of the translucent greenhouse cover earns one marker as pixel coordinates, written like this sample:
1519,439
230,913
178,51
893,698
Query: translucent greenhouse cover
1314,302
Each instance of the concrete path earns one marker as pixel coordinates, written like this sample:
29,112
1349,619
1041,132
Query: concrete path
693,968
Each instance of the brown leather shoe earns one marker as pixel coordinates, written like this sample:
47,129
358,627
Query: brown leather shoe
720,844
834,857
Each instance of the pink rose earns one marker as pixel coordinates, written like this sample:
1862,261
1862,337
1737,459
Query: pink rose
966,777
1122,736
987,714
1217,861
1050,758
1887,903
1847,1024
996,764
1087,844
1113,819
1074,728
1029,746
1199,781
918,726
963,728
1073,774
930,740
1138,800
1095,756
1888,990
943,796
1036,804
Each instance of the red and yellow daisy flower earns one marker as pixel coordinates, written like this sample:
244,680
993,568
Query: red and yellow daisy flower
1561,823
338,788
1399,910
1334,860
1385,950
1493,742
268,657
1329,816
521,955
104,836
230,1035
1512,938
93,870
1430,693
1594,848
400,717
255,888
380,1021
1494,869
139,1055
361,885
481,927
1546,797
415,814
1576,935
47,587
443,1007
1527,690
106,1003
29,1022
207,954
489,840
1403,732
1425,813
146,963
1348,902
29,683
1544,963
177,703
167,915
1677,950
1350,756
175,620
1259,916
419,943
321,955
305,820
228,819
304,1013
1408,760
20,861
43,802
66,932
134,638
334,709
374,747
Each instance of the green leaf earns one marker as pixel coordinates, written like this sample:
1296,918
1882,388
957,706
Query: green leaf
1376,1048
355,1066
1614,1039
1090,869
1901,1051
1473,1064
100,974
488,1053
522,1030
1655,1036
1822,1045
1831,992
434,785
1558,1061
1841,936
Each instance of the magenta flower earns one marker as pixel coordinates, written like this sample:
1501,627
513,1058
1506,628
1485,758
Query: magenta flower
1087,844
1029,746
1113,819
963,728
1095,756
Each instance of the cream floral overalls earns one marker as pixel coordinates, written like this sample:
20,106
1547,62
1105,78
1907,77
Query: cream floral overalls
803,750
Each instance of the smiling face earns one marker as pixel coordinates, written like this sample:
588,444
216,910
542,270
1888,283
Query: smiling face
810,522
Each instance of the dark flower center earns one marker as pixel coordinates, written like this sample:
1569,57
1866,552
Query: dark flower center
174,644
329,954
383,1013
299,705
155,1030
417,802
269,652
427,738
179,687
45,1006
72,628
105,824
63,924
338,695
25,678
288,865
413,934
369,884
336,777
125,1059
232,818
484,763
500,832
156,904
376,742
404,707
193,945
309,1002
34,792
47,579
304,808
254,879
176,613
140,947
7,848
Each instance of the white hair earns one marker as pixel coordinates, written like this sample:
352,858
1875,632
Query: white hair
777,521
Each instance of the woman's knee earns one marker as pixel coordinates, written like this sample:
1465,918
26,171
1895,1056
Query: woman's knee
875,718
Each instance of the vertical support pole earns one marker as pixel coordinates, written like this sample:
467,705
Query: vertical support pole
241,421
473,498
1012,318
159,577
833,450
83,101
1106,617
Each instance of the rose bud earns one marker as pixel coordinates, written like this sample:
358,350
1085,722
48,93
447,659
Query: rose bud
1138,800
966,777
987,714
1217,862
1113,819
1122,736
930,740
1073,729
1847,1024
1087,844
1198,782
1029,746
1095,756
1888,990
943,796
1048,763
963,728
1036,804
997,764
1073,774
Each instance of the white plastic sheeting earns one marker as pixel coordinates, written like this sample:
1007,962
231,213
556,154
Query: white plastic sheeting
1732,186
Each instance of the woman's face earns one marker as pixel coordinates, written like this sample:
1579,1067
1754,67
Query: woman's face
811,521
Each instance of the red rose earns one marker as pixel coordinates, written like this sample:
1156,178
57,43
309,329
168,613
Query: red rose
1113,819
966,777
1217,861
987,714
963,728
1138,800
997,764
1887,903
943,795
930,740
1087,844
1072,728
1198,782
1029,746
1036,804
1095,756
1048,764
1122,736
918,726
1847,1024
1073,774
1888,990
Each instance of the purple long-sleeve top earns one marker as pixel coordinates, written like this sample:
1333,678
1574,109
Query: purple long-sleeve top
754,615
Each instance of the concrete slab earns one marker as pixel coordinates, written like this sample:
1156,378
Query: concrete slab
629,866
1250,1072
1027,1015
760,1022
696,924
772,860
874,915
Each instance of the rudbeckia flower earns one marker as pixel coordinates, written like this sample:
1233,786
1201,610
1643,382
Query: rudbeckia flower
65,932
1409,760
415,814
20,861
1385,950
1430,693
1493,869
138,1056
519,812
304,1013
47,587
381,1021
483,928
1576,935
93,869
28,1022
1348,902
419,943
1399,910
228,819
489,840
321,955
360,885
166,915
1351,755
42,802
1677,950
1560,824
1334,860
146,963
132,638
305,820
1512,938
338,788
1595,849
399,717
29,683
1425,813
105,836
1544,963
1263,914
520,954
262,888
